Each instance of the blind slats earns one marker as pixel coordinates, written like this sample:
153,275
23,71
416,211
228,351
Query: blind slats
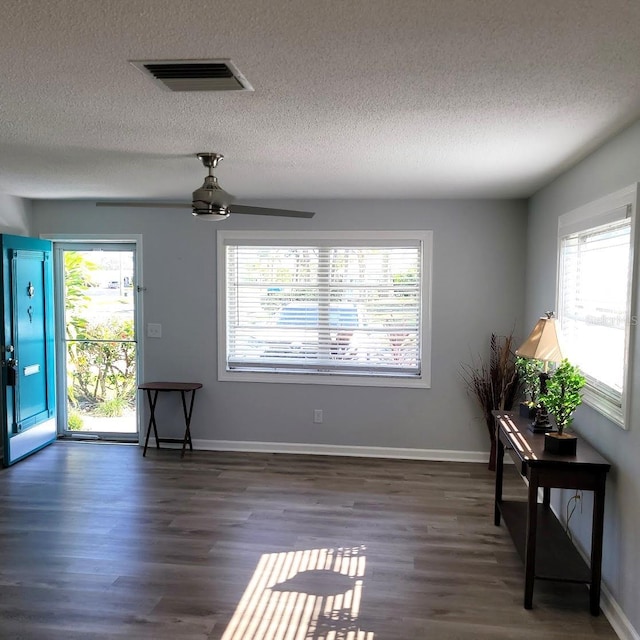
347,309
594,304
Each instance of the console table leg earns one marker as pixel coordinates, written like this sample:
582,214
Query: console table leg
499,477
596,546
530,548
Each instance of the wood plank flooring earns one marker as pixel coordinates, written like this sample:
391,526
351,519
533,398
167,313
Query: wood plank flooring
98,542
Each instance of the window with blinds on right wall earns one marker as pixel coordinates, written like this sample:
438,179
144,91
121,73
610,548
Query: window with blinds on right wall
596,298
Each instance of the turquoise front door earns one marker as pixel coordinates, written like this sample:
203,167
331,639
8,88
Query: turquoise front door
28,374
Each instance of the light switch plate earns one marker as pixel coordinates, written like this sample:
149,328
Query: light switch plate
154,330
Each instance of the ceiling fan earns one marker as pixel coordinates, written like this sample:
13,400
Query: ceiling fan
211,201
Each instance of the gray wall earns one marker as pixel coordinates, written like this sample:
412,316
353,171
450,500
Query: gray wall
15,215
478,282
614,166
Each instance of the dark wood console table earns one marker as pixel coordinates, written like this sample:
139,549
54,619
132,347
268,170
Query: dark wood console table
546,550
153,389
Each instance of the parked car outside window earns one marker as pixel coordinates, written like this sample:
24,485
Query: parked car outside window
297,331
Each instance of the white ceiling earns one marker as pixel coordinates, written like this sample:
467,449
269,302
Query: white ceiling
353,98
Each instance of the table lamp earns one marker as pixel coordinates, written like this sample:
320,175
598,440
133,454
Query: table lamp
542,344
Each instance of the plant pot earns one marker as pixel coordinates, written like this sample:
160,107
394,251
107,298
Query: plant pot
560,445
527,412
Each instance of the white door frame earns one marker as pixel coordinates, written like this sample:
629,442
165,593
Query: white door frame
138,288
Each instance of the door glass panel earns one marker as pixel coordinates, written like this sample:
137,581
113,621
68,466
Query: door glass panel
100,340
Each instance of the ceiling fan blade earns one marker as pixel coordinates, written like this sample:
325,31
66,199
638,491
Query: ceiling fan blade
234,208
264,211
148,205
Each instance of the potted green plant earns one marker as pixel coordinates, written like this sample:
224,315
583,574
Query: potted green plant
529,370
562,398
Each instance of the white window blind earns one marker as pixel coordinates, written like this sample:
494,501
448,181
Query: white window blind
324,307
595,300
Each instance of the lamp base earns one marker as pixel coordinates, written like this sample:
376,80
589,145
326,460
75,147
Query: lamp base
541,422
541,428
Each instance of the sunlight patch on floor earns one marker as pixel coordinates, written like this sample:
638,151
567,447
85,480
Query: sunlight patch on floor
311,594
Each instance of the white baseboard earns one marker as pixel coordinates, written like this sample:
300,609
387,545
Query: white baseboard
442,455
616,617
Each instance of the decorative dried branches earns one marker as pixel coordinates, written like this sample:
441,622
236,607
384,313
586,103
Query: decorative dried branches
494,384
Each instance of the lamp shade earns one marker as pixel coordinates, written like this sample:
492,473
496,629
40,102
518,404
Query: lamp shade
542,343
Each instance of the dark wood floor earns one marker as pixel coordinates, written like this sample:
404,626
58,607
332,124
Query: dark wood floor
99,542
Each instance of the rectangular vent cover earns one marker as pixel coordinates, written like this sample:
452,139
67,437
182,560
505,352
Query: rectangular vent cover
194,75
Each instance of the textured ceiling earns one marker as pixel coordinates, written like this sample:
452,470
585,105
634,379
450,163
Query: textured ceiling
358,98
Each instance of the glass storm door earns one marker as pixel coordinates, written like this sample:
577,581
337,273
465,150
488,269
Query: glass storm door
98,338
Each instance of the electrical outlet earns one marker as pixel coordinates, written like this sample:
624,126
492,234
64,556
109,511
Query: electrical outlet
154,330
317,416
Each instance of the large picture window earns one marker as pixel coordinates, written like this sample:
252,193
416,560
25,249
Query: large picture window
333,308
595,297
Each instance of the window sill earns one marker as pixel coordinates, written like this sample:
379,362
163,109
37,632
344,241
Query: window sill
325,379
610,411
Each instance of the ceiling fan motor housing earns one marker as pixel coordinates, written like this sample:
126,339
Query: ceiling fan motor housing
211,200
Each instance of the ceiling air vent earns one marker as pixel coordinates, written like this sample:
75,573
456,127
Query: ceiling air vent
194,75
